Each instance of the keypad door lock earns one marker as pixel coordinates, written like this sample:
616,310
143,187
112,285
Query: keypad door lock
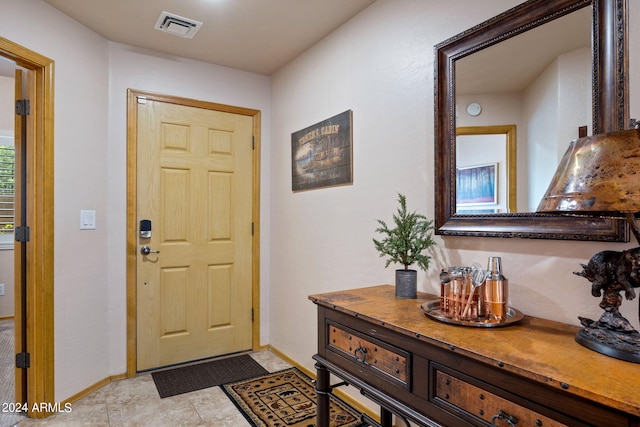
145,229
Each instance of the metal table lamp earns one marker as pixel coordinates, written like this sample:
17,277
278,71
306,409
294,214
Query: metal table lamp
600,175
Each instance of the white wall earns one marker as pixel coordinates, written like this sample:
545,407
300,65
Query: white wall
380,65
555,105
7,105
540,110
574,98
81,83
6,255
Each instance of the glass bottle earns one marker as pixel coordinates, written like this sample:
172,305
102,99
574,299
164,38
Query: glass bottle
445,285
496,292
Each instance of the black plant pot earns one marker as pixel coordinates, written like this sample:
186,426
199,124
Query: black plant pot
406,284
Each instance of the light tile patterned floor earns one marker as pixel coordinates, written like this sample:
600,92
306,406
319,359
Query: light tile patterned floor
7,369
135,402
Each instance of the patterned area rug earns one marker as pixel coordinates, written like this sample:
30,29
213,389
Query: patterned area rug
198,376
285,399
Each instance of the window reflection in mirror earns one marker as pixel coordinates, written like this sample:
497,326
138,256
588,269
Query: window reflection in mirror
541,81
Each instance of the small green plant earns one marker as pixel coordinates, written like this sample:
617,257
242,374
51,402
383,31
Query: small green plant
404,243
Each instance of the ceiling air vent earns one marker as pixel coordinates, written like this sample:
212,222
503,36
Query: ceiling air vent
177,25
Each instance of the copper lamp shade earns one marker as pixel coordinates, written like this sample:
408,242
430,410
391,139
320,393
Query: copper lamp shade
597,174
600,176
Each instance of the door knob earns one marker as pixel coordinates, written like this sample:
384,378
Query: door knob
146,250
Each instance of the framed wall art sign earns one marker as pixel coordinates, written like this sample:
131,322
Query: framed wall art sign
322,154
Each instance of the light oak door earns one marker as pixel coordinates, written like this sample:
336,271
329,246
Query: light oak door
194,183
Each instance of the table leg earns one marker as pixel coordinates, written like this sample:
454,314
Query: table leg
323,388
386,417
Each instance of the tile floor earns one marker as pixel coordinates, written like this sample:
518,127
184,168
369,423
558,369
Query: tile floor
135,402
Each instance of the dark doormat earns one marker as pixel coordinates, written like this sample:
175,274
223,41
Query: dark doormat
285,399
207,374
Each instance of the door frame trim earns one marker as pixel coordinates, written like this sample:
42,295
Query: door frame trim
40,248
132,241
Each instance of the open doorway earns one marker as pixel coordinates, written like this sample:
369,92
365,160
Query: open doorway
7,238
33,302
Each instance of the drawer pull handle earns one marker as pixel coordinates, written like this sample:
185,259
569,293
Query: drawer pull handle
501,415
360,354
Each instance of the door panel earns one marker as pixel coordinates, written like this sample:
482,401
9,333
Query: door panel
194,182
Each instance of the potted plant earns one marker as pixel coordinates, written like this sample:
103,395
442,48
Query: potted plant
404,244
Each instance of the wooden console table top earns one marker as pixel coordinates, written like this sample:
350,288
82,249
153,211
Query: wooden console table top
541,350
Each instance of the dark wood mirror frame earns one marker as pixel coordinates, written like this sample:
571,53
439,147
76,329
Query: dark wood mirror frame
610,112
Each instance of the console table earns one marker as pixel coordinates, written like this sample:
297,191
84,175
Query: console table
531,373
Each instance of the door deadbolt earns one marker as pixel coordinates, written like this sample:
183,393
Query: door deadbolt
146,250
145,229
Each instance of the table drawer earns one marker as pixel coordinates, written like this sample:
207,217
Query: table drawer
487,406
369,352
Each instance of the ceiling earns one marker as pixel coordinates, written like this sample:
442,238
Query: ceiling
259,36
511,66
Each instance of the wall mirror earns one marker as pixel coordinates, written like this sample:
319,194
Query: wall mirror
547,69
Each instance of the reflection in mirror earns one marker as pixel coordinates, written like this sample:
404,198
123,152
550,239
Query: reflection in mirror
545,91
478,147
483,79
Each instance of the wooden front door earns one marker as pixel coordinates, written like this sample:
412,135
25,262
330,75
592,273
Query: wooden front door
194,183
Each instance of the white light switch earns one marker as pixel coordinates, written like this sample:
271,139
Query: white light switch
87,220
